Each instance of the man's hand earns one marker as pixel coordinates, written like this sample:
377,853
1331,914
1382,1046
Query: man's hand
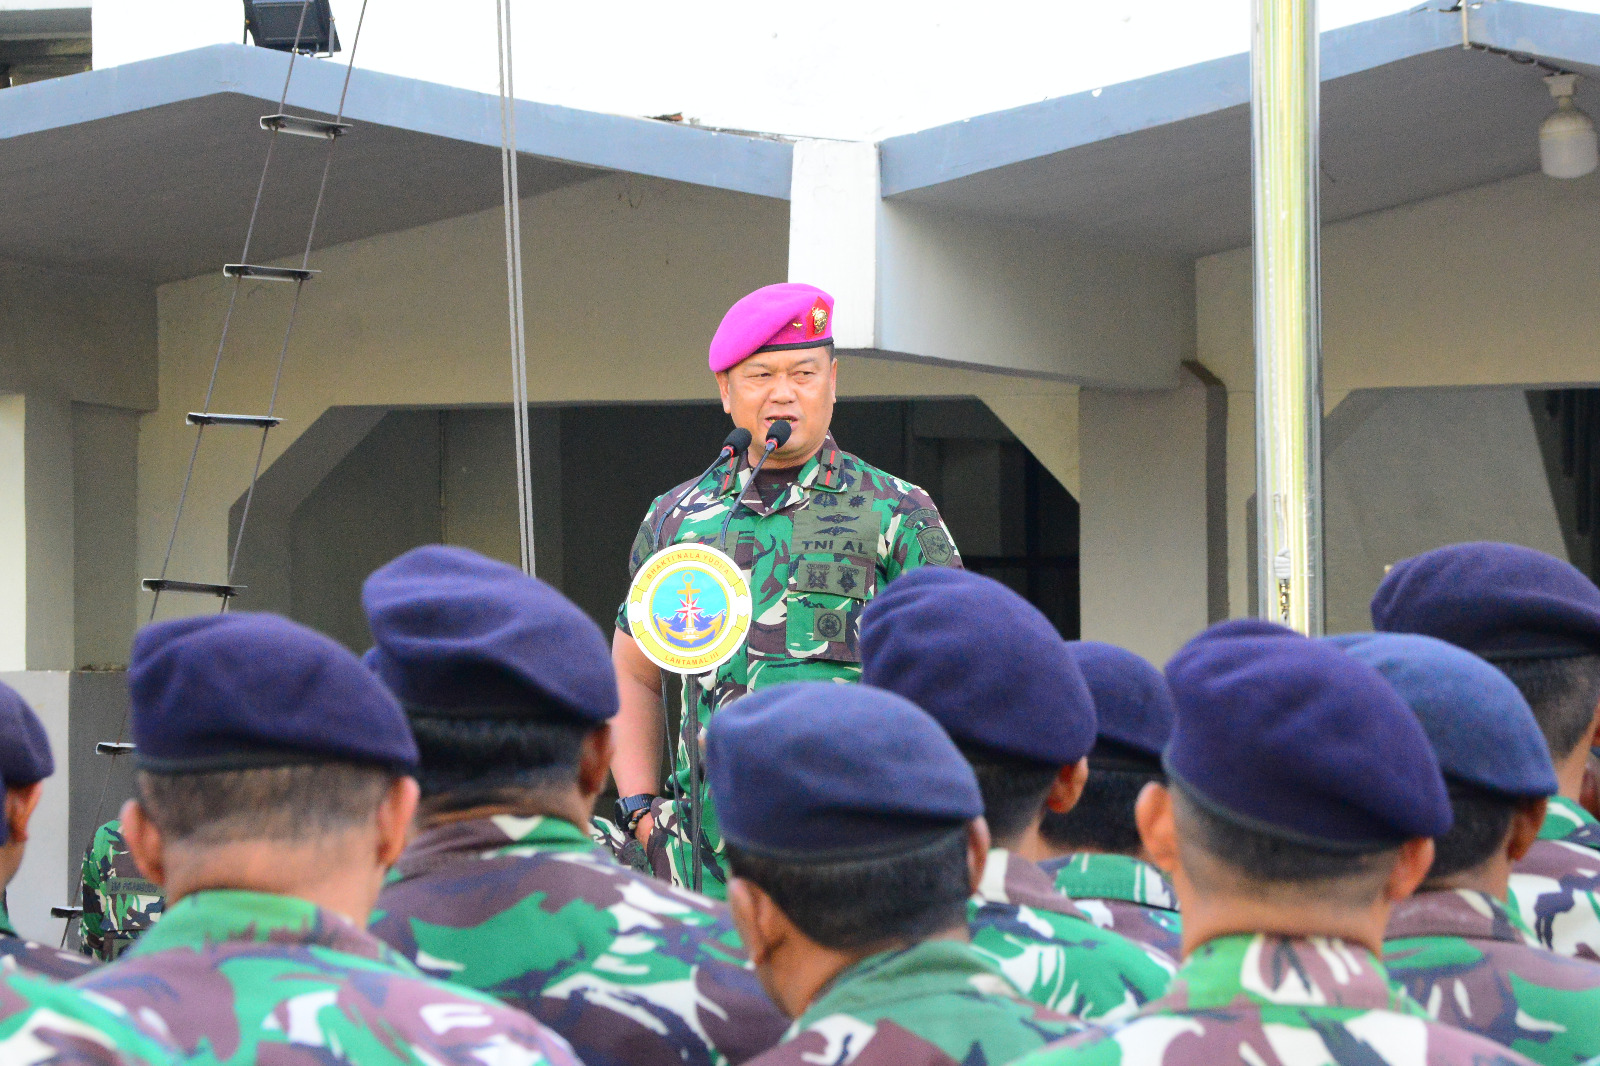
641,832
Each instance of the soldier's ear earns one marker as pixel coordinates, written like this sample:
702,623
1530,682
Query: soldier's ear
399,806
978,843
21,802
145,842
755,917
594,761
1416,858
1067,788
1525,826
722,390
1153,814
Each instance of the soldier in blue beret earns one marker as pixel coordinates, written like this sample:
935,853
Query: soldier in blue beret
1455,945
854,831
994,672
274,790
1098,859
510,692
1537,618
25,762
1301,800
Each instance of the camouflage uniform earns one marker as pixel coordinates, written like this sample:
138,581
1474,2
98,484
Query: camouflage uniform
1052,952
1473,965
938,1003
45,1024
627,969
1555,889
1272,1001
35,958
1123,894
246,977
814,557
118,902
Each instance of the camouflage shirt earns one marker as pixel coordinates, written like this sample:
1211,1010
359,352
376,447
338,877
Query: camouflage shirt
1273,1001
245,977
938,1003
1473,965
46,1024
1555,889
118,902
628,969
1052,952
1123,894
814,557
34,958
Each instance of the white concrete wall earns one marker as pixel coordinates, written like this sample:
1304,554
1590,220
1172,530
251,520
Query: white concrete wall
1490,286
44,878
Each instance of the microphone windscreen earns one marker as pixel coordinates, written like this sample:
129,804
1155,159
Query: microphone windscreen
738,440
779,432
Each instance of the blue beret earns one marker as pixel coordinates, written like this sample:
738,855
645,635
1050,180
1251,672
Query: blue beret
1294,738
24,748
1500,601
812,770
1131,702
459,634
234,691
1481,728
982,660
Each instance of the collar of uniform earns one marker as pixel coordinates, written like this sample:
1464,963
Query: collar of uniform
1262,970
498,836
1097,875
1459,913
929,968
226,916
1566,821
1009,878
824,470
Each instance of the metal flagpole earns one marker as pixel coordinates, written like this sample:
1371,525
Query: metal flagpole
1288,312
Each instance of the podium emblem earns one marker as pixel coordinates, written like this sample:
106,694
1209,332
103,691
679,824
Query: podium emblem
689,608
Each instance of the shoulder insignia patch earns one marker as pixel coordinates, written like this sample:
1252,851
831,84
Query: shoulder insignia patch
936,547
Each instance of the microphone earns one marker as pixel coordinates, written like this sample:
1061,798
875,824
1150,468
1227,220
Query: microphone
733,444
777,436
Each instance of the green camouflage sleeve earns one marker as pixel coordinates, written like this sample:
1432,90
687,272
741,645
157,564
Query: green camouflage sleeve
92,925
644,546
917,535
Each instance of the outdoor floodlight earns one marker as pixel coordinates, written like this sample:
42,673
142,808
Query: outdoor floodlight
1567,145
272,24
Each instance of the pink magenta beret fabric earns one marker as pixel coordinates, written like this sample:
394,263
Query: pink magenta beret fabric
773,318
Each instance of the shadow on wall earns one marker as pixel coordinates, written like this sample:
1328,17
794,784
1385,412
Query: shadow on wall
421,477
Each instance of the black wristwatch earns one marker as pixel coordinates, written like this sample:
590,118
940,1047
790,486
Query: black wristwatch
632,808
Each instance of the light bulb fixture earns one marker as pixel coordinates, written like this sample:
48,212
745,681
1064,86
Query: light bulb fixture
1567,143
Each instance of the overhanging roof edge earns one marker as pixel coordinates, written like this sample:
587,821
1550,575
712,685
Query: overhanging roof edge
986,142
729,161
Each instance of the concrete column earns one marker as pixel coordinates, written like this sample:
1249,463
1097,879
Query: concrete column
833,232
36,527
1151,474
43,880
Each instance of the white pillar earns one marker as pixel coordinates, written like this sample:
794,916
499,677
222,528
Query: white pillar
36,533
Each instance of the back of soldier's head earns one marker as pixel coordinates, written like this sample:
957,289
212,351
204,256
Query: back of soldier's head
250,727
1489,747
1133,709
849,807
1296,771
1534,616
993,671
500,675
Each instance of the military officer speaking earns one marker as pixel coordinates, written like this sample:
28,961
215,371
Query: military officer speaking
816,532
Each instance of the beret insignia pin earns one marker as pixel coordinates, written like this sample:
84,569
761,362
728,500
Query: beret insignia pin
819,320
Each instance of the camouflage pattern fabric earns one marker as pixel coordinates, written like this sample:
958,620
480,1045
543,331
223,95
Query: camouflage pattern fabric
1473,965
43,1023
814,557
1273,1001
1555,889
530,911
938,1003
1052,952
119,903
245,977
30,957
1123,894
